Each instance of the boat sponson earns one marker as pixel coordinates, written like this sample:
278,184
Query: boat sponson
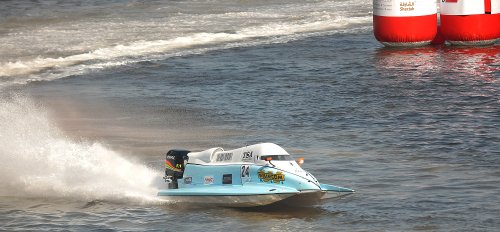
333,188
229,190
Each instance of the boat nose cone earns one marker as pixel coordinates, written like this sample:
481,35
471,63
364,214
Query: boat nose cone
349,190
334,188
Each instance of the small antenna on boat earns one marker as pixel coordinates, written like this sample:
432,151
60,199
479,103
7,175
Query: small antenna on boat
268,159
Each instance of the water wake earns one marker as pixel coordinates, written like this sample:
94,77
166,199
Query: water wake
24,71
38,160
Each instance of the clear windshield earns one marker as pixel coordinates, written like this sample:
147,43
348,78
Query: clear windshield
277,157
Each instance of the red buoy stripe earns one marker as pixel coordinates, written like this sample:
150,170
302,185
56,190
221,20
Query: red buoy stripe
405,29
470,27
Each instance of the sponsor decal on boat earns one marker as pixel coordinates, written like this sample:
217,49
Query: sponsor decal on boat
221,157
170,166
208,180
277,177
247,156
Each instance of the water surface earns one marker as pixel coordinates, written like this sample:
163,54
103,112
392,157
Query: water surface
94,93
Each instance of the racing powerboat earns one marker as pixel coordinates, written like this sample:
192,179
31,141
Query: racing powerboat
255,175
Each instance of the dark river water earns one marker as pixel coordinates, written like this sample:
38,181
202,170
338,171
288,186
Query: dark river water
94,93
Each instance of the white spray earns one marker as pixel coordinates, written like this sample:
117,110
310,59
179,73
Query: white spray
38,160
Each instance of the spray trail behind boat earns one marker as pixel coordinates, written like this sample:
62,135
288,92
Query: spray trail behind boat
38,160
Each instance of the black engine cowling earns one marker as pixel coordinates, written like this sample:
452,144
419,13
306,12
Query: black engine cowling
175,161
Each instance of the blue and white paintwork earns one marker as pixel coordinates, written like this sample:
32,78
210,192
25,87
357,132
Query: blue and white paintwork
244,178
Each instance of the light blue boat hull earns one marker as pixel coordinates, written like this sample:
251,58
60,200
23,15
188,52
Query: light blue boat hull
229,190
250,191
248,195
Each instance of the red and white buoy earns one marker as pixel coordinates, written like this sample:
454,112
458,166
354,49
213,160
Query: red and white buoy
470,22
404,22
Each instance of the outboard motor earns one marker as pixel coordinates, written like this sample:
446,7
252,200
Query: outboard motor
175,162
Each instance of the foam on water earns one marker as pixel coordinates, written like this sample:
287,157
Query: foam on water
38,160
115,41
141,48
